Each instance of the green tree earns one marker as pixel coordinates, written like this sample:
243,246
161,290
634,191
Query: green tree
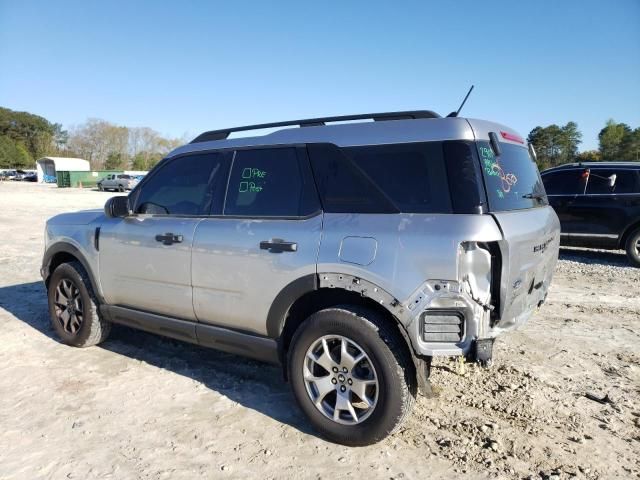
588,156
35,133
139,162
115,161
554,144
630,145
23,159
13,155
571,137
611,139
7,152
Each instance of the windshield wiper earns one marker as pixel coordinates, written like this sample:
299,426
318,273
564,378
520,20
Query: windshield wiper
535,196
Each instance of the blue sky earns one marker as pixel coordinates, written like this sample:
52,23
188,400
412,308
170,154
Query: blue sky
184,67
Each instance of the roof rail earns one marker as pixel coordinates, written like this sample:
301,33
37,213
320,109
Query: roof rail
314,122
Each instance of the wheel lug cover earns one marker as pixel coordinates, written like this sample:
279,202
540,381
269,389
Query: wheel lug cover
344,369
350,381
335,369
334,381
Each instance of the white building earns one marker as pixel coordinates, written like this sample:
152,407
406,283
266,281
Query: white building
48,166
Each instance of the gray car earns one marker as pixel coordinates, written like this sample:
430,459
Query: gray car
118,182
349,253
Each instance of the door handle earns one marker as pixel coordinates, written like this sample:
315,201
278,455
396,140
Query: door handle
169,238
277,245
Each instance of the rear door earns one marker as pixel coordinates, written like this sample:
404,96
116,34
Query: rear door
145,258
268,237
530,228
563,187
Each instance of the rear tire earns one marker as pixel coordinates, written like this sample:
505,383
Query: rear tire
386,368
633,247
73,307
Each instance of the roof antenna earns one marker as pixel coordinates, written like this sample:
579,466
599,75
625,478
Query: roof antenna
455,114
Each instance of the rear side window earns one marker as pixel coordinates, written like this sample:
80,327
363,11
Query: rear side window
270,182
183,186
411,175
566,182
343,187
408,177
512,180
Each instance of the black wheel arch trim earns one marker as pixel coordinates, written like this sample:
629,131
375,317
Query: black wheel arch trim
288,296
63,247
285,299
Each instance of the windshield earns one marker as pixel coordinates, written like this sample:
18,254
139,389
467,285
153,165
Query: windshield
512,179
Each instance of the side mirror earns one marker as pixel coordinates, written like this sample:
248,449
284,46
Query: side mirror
117,207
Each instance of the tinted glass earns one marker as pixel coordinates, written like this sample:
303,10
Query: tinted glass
411,175
269,183
343,187
567,182
463,173
512,180
181,186
626,181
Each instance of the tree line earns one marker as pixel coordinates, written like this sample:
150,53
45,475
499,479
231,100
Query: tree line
25,137
556,144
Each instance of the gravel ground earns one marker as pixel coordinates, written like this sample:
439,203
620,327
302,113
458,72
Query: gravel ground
140,406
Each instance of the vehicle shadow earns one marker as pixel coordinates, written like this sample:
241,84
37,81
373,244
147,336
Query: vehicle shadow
252,384
615,258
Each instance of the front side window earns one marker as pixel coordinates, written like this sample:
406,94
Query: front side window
269,182
565,182
184,186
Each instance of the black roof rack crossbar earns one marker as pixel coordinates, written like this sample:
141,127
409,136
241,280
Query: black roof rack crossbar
314,122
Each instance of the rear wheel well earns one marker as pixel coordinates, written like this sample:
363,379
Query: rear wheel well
627,234
320,299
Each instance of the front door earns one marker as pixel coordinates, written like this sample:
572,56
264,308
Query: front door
268,237
145,258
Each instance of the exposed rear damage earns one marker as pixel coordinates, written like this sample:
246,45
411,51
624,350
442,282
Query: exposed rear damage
500,281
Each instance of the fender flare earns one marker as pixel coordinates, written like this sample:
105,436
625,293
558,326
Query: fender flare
64,247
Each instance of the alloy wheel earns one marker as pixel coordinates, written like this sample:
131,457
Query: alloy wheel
340,379
68,306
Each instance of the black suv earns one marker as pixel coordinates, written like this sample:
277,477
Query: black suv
598,204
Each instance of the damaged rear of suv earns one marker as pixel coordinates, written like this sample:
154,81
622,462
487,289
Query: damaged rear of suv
349,253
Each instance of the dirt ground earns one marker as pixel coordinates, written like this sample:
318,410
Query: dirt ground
140,406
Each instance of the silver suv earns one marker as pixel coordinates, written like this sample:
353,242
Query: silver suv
349,253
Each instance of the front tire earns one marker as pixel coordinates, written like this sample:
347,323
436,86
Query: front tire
633,247
121,188
352,375
73,307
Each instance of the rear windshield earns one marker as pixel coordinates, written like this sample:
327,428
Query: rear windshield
512,179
